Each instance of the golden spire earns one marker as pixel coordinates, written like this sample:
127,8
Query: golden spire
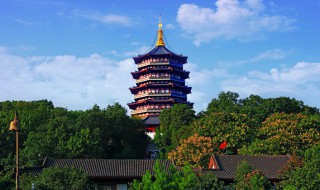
160,41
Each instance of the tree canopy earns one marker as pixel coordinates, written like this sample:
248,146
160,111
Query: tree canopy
249,126
47,131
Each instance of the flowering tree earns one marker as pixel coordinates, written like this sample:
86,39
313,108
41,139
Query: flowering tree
284,133
306,174
194,151
236,129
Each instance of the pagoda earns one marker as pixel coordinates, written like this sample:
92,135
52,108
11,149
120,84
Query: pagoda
160,82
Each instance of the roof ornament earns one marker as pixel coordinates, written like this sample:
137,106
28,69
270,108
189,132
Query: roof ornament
160,41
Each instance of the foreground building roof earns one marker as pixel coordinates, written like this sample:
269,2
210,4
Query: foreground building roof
223,166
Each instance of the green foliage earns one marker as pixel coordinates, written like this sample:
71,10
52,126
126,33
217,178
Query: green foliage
163,180
284,133
237,129
174,126
261,147
306,176
6,182
226,102
85,143
257,108
252,125
208,181
249,179
243,168
57,179
58,133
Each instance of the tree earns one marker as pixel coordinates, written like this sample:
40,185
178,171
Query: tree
56,178
174,125
284,133
249,179
255,107
226,102
6,182
194,151
236,129
305,176
85,144
184,179
208,181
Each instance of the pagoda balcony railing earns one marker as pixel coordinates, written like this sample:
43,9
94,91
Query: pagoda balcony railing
146,110
156,84
159,94
159,63
159,79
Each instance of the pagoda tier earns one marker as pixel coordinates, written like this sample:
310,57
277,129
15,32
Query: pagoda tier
166,86
160,93
159,71
160,81
158,103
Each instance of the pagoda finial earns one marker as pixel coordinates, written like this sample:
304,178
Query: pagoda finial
160,41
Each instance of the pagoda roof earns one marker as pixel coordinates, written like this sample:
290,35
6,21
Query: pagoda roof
151,120
133,105
160,51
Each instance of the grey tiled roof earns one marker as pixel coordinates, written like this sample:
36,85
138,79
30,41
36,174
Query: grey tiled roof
162,50
136,168
269,165
109,168
151,120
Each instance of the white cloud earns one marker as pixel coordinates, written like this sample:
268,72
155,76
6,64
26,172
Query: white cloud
203,85
4,49
203,76
170,26
300,81
69,81
25,22
141,50
273,54
105,18
232,19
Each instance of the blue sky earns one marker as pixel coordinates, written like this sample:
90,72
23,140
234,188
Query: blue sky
78,53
